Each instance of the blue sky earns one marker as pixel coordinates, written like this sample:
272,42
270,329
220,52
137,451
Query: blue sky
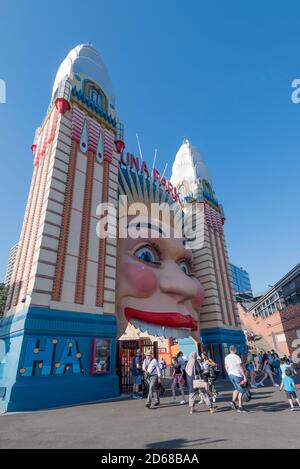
218,73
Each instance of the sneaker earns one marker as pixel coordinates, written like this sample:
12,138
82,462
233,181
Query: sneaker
253,386
135,396
276,385
233,405
148,405
292,409
201,402
241,410
183,402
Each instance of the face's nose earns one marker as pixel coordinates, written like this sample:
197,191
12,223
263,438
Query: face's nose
173,281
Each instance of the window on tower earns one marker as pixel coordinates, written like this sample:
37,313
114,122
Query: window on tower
95,97
207,188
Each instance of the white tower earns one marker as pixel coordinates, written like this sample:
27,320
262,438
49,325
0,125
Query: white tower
219,321
61,298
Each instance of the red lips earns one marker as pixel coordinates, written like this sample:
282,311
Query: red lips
162,319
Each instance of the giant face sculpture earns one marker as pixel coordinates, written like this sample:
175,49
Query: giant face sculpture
156,290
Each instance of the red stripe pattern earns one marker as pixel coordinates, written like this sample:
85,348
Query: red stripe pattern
94,133
46,136
94,129
109,144
213,219
78,118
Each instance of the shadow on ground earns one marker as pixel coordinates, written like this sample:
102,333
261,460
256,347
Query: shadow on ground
182,443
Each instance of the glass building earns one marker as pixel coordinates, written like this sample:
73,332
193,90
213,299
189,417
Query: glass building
241,281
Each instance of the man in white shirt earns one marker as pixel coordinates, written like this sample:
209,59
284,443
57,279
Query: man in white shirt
237,376
152,370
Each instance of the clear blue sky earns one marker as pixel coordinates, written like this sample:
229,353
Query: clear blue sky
216,72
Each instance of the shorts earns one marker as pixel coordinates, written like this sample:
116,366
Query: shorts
236,381
137,380
291,395
250,367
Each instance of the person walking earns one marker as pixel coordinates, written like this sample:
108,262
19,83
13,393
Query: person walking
276,365
177,380
153,375
237,376
267,370
163,366
260,361
285,364
250,370
145,384
137,373
193,371
182,362
288,384
209,375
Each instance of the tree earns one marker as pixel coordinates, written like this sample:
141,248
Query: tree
3,297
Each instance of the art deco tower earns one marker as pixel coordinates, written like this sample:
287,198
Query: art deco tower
62,292
219,321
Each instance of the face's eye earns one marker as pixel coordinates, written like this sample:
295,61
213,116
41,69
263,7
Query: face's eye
185,267
147,254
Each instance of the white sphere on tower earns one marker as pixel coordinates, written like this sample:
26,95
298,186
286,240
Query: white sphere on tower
86,62
189,173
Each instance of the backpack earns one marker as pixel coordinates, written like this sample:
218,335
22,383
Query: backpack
247,396
276,364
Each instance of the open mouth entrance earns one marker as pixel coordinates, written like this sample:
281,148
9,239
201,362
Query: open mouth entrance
126,351
139,338
162,342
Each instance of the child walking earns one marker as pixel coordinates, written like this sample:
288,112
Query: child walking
177,380
288,384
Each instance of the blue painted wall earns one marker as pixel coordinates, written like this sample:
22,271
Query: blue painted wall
187,346
49,387
215,337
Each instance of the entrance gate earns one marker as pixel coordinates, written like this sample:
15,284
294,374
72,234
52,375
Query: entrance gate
126,351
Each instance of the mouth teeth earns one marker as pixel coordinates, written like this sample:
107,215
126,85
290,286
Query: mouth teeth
159,331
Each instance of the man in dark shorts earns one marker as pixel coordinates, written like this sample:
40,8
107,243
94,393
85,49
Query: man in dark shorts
237,376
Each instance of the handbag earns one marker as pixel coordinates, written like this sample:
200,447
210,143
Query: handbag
198,384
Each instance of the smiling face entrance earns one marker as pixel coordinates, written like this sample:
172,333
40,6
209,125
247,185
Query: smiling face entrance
156,290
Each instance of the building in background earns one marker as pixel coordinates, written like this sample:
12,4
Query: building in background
10,265
219,320
274,319
241,283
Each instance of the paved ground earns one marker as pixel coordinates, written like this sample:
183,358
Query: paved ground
128,424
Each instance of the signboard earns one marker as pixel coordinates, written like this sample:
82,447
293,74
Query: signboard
101,355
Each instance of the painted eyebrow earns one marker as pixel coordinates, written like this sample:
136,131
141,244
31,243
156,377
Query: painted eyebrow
146,225
181,252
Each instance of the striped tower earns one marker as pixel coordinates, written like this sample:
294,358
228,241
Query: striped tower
219,322
61,300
